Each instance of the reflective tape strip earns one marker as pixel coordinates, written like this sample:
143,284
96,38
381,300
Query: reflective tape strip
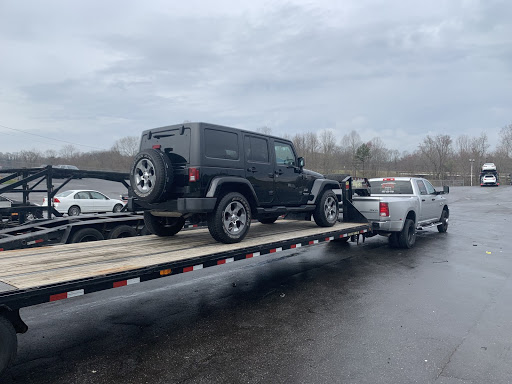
295,246
313,242
224,261
67,295
255,254
133,281
276,250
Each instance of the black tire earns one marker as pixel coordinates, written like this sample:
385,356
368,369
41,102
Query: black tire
163,226
151,175
122,231
85,235
443,227
393,240
8,344
268,220
117,208
327,210
74,210
230,229
407,237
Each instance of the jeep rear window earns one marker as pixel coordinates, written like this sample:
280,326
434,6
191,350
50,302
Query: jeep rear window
221,144
394,187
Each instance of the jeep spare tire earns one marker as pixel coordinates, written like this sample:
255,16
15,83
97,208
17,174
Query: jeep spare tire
151,175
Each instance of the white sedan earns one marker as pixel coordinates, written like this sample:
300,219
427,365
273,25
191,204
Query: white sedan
74,202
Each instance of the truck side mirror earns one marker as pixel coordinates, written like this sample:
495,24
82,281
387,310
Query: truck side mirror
300,162
446,189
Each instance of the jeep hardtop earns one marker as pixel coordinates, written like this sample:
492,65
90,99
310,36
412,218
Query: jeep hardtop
225,176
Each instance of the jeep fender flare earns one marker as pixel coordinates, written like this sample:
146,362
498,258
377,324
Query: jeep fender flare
217,183
320,185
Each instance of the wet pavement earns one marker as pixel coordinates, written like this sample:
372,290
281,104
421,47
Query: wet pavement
331,313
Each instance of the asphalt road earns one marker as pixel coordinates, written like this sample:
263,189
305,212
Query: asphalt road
331,313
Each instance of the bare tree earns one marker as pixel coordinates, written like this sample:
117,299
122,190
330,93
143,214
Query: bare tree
328,150
69,152
265,130
436,151
127,146
349,144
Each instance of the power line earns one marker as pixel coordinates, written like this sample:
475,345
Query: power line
50,138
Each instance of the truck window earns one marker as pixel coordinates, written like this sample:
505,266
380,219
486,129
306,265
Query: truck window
430,189
422,188
221,144
284,154
393,187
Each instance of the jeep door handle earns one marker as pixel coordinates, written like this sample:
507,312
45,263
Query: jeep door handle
279,172
252,169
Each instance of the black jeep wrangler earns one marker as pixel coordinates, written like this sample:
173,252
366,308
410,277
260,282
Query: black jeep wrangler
225,176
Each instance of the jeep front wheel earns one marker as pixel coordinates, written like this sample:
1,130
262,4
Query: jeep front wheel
231,219
327,210
151,175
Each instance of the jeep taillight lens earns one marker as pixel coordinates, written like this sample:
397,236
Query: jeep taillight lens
193,175
384,209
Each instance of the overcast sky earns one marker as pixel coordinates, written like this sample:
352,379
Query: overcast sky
92,72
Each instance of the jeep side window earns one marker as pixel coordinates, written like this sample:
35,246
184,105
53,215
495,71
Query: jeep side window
256,149
221,144
284,154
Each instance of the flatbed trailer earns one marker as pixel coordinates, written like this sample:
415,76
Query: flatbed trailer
39,275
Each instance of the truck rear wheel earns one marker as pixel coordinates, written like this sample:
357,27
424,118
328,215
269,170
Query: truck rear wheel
151,175
407,237
8,344
327,210
163,226
231,219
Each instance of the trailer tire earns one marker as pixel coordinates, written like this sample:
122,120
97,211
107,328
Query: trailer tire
85,235
230,229
151,175
327,210
268,220
443,227
407,237
8,344
122,231
74,210
163,226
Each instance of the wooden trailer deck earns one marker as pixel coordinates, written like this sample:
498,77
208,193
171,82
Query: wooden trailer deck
28,269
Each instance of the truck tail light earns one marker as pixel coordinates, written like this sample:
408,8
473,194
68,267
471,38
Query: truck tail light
193,175
384,209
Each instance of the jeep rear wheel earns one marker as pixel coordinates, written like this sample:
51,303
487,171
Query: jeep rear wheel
151,175
327,210
231,219
163,226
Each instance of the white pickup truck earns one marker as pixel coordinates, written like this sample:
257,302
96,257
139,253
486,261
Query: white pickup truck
398,206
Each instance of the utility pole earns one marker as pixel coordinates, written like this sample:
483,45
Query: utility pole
471,161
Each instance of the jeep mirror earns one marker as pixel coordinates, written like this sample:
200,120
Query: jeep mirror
301,162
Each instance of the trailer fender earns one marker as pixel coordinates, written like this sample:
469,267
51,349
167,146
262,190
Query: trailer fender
13,316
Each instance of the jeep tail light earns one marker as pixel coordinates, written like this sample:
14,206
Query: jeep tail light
157,146
384,209
193,175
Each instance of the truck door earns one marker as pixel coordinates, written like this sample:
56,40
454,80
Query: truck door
288,181
437,202
259,168
427,202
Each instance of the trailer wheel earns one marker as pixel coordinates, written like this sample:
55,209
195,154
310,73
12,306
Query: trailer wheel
231,219
443,227
407,237
163,226
86,234
150,176
122,231
268,220
8,344
74,210
327,210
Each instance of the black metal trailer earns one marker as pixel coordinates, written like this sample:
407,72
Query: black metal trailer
40,275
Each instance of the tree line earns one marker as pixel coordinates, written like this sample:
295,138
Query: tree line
438,157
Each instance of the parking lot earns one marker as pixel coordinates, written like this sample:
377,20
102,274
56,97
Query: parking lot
332,313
